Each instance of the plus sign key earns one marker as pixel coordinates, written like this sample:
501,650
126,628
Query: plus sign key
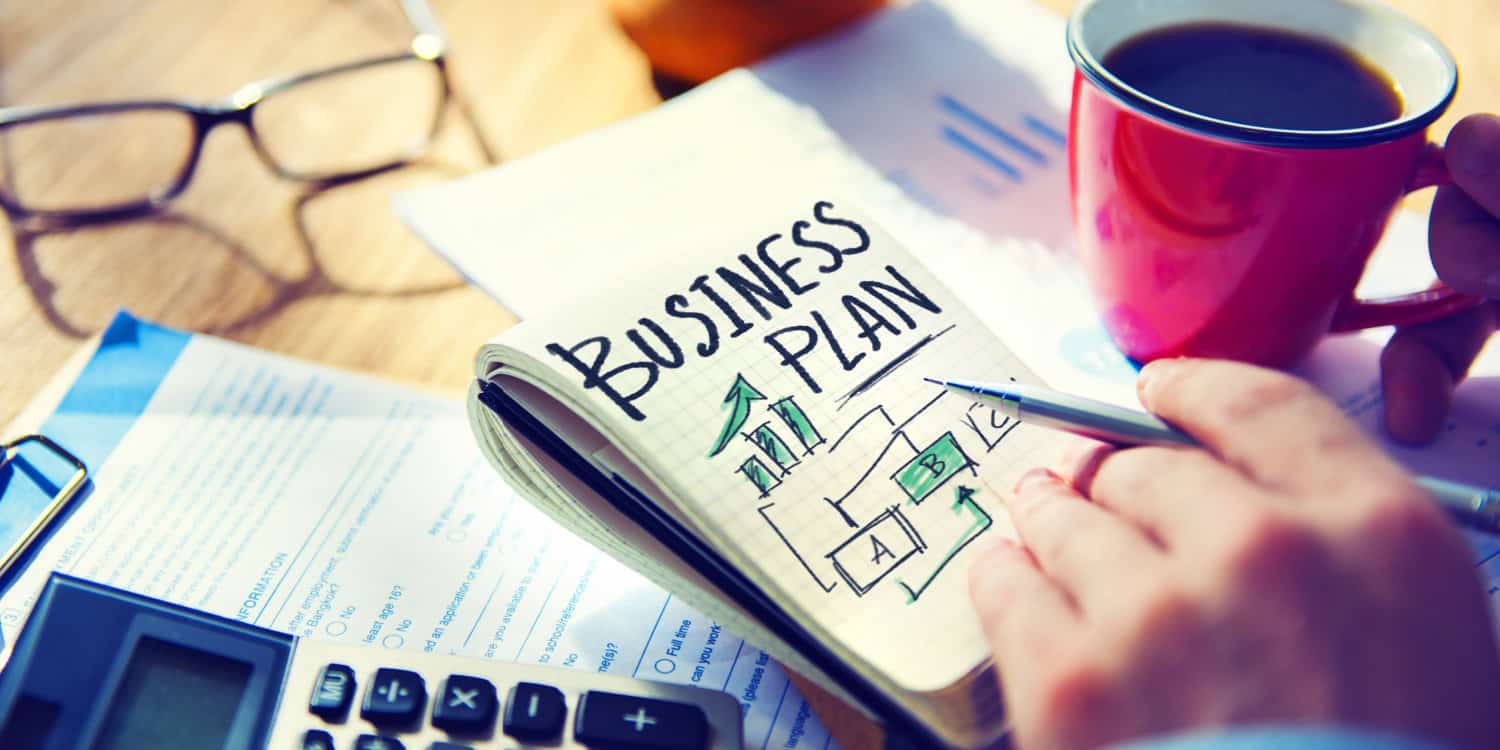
465,705
626,721
395,697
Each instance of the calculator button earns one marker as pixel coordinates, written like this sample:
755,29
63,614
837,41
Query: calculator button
317,739
377,742
465,705
333,693
448,746
535,713
626,721
395,697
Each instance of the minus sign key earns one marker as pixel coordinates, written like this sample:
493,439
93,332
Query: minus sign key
535,712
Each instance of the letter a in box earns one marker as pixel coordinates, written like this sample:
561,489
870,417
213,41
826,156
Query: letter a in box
876,550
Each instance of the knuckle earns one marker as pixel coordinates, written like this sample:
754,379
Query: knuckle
1273,547
1142,472
1264,391
1039,507
1126,472
1074,694
1168,615
1405,525
1341,439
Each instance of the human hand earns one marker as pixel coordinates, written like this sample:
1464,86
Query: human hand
1422,364
1288,572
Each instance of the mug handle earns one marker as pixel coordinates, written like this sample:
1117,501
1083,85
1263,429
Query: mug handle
1437,301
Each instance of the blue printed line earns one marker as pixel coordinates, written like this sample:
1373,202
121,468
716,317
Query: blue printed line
784,690
651,635
332,503
1044,130
539,613
992,129
827,740
981,153
1488,558
491,598
733,664
484,609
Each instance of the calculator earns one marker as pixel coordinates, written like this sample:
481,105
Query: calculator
104,669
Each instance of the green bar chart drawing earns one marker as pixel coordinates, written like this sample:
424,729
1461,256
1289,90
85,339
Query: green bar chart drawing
771,444
798,422
741,394
759,475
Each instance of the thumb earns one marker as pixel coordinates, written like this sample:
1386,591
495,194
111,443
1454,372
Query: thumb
1464,232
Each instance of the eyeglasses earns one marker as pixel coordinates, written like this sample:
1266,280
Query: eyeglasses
130,157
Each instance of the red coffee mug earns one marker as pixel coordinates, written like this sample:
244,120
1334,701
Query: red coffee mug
1205,237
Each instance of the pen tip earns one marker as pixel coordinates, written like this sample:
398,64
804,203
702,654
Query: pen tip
934,382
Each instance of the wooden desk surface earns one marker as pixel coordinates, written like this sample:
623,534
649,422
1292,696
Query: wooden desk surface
331,275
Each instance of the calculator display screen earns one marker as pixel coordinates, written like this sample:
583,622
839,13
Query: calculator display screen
173,696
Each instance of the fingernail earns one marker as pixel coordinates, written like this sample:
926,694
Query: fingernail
1034,478
1152,374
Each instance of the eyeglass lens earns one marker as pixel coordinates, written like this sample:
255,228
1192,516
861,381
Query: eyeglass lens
326,126
95,161
350,121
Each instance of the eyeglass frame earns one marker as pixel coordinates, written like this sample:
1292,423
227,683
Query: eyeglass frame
428,44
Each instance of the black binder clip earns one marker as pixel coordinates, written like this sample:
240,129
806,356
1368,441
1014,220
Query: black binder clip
54,508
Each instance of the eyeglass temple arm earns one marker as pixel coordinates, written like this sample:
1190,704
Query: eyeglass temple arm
420,14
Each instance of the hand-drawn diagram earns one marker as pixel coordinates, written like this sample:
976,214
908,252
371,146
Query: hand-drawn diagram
772,446
909,486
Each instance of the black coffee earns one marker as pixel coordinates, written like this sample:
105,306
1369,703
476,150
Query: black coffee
1256,76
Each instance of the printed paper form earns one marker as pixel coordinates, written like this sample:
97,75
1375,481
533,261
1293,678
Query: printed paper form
333,506
945,119
769,375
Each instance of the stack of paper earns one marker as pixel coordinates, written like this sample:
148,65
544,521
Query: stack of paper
328,505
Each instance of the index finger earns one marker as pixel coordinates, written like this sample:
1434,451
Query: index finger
1273,427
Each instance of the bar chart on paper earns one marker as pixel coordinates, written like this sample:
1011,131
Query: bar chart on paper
1006,151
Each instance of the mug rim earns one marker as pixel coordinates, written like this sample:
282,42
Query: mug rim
1093,69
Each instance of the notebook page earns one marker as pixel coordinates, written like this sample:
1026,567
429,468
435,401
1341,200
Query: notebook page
767,370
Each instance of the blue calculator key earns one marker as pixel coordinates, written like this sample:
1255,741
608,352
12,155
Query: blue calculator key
377,742
395,697
465,705
620,722
440,745
317,739
333,693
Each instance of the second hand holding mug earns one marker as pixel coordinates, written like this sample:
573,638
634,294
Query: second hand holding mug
1203,236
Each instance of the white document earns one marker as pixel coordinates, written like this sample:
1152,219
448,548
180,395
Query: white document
327,505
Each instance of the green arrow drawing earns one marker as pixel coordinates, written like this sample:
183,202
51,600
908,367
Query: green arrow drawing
739,397
963,500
